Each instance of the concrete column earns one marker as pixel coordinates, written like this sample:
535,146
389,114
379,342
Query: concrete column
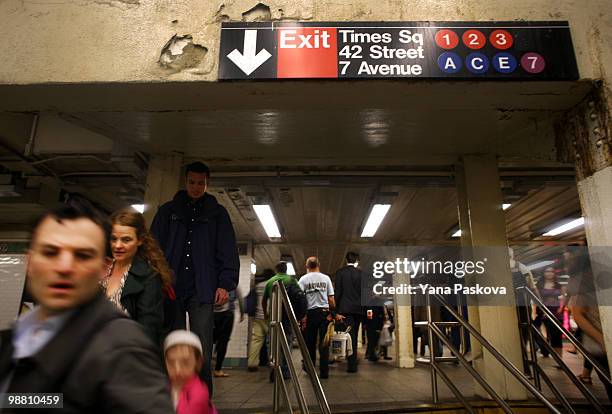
403,334
163,181
403,337
483,226
584,137
237,350
596,200
466,241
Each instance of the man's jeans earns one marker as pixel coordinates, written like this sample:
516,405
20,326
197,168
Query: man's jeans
201,322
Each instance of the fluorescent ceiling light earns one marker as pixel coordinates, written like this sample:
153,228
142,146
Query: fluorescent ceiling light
506,206
139,207
565,227
378,213
290,269
540,265
266,218
457,233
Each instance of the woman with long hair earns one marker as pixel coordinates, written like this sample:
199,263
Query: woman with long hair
139,275
553,297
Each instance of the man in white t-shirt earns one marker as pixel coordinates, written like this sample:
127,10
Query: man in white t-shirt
320,297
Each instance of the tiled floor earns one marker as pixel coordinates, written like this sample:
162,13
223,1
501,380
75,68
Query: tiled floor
377,386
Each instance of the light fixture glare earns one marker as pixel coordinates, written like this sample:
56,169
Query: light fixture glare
378,213
565,227
266,218
139,207
539,265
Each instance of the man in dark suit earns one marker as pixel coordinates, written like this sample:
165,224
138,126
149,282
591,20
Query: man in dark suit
348,301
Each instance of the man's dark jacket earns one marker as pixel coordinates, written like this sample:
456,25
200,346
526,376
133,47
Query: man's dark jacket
348,290
215,254
101,361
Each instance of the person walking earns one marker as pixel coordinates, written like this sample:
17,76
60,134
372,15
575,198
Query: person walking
320,297
375,319
585,308
389,323
259,325
198,240
553,297
224,325
183,358
348,302
287,280
139,273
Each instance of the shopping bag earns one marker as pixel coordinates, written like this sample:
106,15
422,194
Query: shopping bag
329,334
385,336
349,343
339,345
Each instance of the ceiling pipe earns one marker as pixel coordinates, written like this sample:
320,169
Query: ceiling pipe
73,157
98,174
29,147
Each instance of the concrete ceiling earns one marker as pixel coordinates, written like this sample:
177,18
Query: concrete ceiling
322,152
314,122
327,221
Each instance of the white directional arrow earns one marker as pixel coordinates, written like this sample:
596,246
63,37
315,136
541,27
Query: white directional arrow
248,61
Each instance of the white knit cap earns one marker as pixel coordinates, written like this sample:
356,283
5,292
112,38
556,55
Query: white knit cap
182,337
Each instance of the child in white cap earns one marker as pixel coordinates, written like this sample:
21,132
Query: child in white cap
184,359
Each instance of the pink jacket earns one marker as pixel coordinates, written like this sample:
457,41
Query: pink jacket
194,398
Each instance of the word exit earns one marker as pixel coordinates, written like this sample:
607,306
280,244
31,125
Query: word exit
291,39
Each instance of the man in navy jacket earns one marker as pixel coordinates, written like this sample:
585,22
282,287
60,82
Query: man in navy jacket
198,240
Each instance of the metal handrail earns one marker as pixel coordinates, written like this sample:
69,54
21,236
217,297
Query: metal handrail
503,404
585,391
280,346
534,331
486,344
567,334
462,337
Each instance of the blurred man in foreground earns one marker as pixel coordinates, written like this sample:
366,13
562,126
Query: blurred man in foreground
76,342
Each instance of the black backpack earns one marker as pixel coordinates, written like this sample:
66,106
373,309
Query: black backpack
251,302
297,297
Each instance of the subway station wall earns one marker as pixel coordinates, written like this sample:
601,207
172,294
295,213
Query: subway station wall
161,40
12,279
